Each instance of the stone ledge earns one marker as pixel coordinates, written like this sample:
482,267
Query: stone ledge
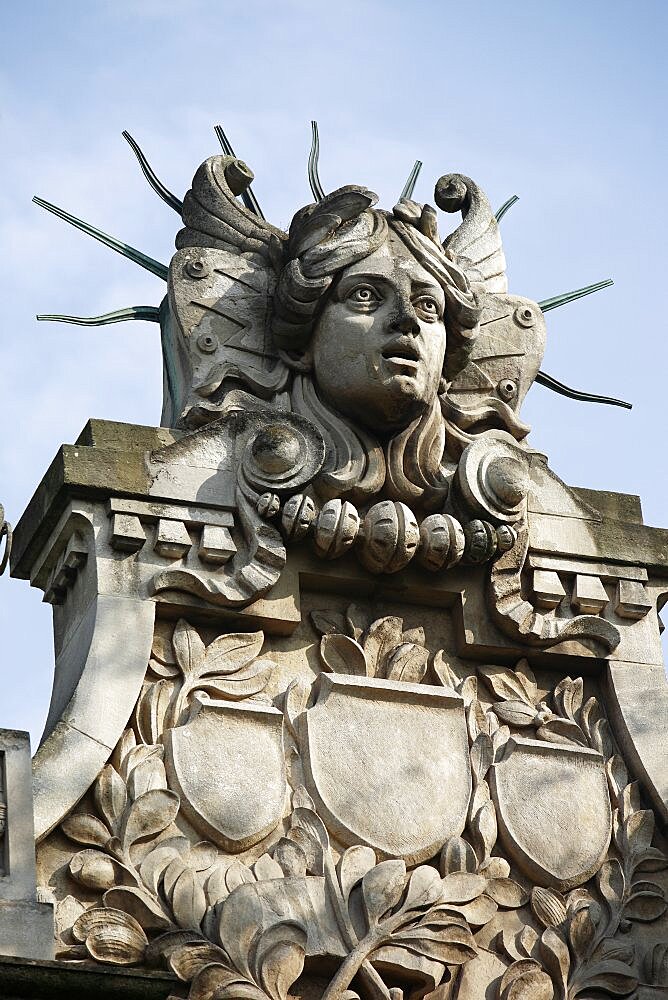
29,979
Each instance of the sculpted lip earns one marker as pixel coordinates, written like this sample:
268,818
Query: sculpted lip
402,352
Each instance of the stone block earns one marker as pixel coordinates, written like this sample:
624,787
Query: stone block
631,600
216,545
589,595
548,588
172,539
127,534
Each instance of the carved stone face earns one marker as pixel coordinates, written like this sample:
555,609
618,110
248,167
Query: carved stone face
379,345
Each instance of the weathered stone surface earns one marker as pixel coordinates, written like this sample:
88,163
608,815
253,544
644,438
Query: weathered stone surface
353,695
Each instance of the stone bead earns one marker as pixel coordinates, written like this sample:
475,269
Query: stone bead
299,513
441,542
336,528
389,537
268,505
481,541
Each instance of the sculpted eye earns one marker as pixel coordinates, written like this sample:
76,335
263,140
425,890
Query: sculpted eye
364,295
428,306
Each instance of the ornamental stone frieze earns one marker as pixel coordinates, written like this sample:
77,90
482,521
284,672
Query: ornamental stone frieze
353,696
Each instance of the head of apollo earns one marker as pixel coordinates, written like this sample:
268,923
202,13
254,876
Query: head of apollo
370,319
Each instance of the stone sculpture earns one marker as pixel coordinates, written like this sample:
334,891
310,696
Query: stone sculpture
363,699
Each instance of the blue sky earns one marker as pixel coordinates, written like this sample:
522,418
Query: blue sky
562,103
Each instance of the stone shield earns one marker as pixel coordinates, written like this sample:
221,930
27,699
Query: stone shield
388,764
553,807
228,766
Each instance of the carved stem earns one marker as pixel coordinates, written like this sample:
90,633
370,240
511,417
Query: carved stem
352,964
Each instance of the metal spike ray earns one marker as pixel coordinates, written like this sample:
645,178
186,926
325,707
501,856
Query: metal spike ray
499,214
579,293
157,185
409,186
154,266
313,157
542,378
151,314
247,196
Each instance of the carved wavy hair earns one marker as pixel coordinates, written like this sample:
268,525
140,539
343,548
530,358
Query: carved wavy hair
324,240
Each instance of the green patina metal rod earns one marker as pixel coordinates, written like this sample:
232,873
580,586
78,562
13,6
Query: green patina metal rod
150,176
313,157
154,266
409,186
579,293
151,314
499,214
542,378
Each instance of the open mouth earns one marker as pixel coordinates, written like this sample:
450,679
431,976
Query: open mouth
402,352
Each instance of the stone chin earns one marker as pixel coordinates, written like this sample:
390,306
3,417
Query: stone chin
388,402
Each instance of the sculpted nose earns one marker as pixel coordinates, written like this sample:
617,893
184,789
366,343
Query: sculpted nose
405,319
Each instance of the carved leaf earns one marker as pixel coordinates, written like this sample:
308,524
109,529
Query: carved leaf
229,653
415,635
630,802
610,881
84,828
527,941
506,892
589,716
495,868
202,856
110,795
478,912
548,906
146,776
611,977
561,731
602,738
265,869
280,958
342,655
291,857
188,649
554,952
515,713
484,830
163,670
138,904
462,887
382,888
469,689
328,622
424,888
188,901
162,649
245,683
294,703
381,637
444,672
476,720
458,856
117,942
353,866
646,906
98,871
527,679
581,932
618,776
651,860
148,815
499,739
407,663
505,684
215,888
525,980
568,696
356,621
152,709
639,830
237,874
478,799
223,984
311,847
482,755
188,959
157,861
119,758
452,945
